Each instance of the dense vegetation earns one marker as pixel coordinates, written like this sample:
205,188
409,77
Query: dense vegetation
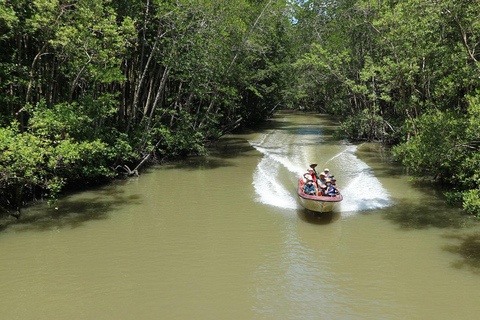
405,73
94,88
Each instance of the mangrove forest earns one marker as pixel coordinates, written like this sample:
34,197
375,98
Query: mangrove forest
91,90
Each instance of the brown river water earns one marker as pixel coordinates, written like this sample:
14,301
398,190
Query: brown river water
223,237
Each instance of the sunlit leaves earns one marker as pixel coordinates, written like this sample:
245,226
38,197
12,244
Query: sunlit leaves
7,19
91,42
447,146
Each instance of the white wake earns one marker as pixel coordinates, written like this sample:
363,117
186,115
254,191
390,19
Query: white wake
286,156
361,190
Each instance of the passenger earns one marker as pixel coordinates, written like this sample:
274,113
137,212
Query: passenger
310,188
310,172
328,184
322,184
332,190
326,171
305,177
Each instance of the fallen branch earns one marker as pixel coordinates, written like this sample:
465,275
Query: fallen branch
127,170
147,156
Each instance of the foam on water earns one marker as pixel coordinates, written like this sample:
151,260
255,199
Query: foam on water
268,190
276,148
288,154
361,189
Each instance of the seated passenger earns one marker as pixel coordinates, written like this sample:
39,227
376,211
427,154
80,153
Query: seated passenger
310,173
326,171
322,184
305,178
310,188
332,190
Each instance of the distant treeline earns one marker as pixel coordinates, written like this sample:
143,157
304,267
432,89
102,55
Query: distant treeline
91,89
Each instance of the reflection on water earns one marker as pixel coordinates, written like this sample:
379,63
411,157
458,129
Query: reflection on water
318,218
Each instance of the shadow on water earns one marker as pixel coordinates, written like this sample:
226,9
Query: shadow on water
198,163
219,153
428,214
433,213
317,217
428,211
229,147
68,213
469,251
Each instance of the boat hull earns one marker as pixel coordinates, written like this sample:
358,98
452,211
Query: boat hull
316,203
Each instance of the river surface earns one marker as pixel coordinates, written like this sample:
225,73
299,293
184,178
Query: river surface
222,237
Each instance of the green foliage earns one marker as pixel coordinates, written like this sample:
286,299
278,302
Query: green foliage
92,85
446,146
432,151
400,72
471,202
91,43
365,125
55,151
7,19
60,121
32,164
181,139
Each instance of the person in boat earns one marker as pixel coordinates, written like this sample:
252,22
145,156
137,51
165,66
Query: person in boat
309,188
332,190
326,171
311,173
322,184
315,172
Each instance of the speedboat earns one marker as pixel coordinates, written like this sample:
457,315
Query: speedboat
316,203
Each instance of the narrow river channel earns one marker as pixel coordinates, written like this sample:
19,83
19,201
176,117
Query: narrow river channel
222,237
